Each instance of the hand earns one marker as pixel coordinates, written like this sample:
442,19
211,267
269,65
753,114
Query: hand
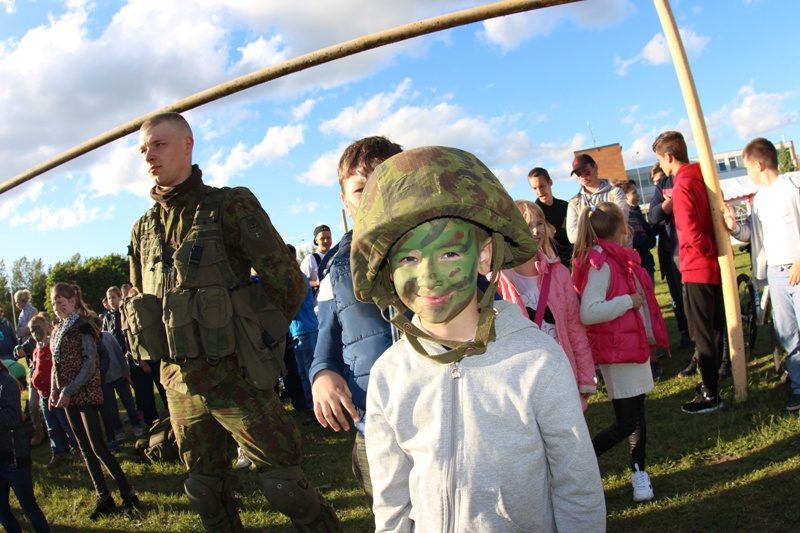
63,401
331,394
729,217
636,300
666,205
145,366
51,401
794,273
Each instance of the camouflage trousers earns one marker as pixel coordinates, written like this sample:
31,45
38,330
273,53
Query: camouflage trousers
254,418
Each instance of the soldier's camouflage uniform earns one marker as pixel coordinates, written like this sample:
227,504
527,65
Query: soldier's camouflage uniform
208,396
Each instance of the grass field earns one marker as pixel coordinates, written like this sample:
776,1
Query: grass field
734,470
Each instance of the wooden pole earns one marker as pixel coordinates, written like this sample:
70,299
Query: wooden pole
730,291
312,59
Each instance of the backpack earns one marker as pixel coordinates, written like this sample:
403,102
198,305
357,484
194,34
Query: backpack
159,443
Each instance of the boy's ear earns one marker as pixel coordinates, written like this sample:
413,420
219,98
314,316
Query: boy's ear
485,257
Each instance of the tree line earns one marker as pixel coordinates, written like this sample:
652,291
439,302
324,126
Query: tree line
94,275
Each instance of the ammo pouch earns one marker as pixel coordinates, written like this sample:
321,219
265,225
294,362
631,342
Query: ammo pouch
199,323
261,336
141,322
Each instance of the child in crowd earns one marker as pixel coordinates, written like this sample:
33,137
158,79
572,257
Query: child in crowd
542,288
473,420
702,283
15,459
773,230
76,387
62,440
623,320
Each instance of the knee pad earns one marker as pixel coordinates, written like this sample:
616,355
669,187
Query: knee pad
288,492
212,498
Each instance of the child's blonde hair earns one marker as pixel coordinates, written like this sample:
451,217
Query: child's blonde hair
530,211
602,221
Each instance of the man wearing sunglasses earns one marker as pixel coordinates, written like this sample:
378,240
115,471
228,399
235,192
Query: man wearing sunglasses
593,191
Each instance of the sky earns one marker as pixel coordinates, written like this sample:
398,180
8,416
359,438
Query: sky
519,92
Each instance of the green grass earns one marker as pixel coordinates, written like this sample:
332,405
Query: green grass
734,470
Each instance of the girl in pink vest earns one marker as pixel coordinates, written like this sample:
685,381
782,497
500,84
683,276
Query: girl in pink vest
542,288
623,320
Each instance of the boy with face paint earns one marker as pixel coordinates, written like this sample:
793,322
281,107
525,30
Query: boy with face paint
473,420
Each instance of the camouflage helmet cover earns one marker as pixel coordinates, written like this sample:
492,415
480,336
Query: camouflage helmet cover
423,184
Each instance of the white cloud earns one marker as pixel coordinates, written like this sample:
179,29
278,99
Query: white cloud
301,208
511,31
277,142
301,111
656,51
120,171
8,6
49,218
356,119
752,113
396,115
20,198
323,170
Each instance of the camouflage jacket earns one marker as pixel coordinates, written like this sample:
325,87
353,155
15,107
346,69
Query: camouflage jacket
250,242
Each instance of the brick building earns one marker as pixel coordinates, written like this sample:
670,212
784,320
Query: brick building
609,161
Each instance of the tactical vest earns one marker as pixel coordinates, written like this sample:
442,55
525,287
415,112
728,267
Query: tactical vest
194,306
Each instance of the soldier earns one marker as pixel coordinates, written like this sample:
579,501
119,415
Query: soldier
191,255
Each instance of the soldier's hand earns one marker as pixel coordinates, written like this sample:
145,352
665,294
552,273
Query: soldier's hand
332,398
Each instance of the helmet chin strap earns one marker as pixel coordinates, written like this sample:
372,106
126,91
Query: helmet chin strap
484,333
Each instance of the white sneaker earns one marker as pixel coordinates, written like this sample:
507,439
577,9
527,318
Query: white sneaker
242,462
642,488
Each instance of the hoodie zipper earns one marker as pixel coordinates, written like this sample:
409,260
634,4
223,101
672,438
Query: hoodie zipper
451,511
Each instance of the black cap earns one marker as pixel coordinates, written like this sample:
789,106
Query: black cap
320,228
581,161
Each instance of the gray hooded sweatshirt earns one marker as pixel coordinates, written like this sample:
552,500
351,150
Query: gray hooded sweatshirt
496,442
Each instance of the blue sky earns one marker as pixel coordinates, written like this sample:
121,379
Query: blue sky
519,92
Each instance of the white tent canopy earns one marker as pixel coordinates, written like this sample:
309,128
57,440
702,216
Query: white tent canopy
737,188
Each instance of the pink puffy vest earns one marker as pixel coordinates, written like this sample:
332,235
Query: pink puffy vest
624,339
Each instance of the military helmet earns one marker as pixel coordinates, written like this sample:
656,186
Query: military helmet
419,185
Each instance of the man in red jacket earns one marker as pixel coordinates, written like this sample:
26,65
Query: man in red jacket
702,293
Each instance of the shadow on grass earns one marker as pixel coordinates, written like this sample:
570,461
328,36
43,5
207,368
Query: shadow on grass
716,497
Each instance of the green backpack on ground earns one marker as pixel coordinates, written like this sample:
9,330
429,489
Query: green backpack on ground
159,443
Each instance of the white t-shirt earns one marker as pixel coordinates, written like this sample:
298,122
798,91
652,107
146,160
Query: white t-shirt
309,266
528,287
774,205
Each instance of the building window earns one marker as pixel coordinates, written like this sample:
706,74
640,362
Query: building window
721,165
733,163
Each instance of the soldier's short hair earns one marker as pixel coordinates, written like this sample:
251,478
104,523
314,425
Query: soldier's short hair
364,155
176,119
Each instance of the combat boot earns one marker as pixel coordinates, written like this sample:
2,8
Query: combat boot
212,498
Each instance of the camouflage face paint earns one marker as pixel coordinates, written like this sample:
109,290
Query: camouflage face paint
434,269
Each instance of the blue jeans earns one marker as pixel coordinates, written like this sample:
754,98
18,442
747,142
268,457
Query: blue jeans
62,440
786,318
304,345
21,480
110,409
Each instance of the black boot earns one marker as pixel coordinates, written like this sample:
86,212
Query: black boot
105,505
130,504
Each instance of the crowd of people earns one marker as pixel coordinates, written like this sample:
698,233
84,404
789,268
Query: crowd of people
458,331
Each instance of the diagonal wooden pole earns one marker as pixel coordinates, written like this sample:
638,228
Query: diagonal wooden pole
312,59
730,291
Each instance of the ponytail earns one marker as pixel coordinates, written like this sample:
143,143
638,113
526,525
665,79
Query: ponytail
601,221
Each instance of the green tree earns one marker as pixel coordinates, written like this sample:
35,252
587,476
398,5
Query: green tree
6,297
30,274
93,276
785,162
